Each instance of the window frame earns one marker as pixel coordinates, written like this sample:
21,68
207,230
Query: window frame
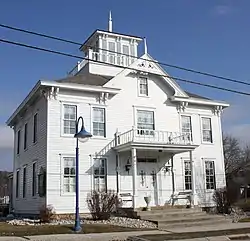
35,128
104,118
24,194
17,183
18,142
191,127
187,183
34,179
100,176
25,136
62,118
209,185
139,86
202,130
68,175
145,110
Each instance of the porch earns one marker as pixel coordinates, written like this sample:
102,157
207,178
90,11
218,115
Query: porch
142,156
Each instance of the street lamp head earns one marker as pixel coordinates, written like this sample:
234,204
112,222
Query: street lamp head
82,134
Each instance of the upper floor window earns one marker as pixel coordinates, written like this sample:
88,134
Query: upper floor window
206,130
35,124
18,141
25,136
210,175
186,127
145,120
100,174
188,176
69,119
69,174
99,122
143,86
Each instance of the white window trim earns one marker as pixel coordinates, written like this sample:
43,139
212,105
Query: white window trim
36,177
93,171
62,193
146,108
36,113
204,169
105,121
27,132
184,183
138,87
201,130
62,116
18,142
191,119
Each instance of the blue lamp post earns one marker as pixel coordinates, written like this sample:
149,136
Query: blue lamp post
81,135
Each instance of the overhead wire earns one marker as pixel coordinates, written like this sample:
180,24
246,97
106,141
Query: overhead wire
116,65
110,51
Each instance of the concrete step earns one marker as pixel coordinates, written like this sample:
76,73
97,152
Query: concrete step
179,212
193,223
167,216
190,219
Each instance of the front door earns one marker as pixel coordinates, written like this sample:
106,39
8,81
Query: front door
147,181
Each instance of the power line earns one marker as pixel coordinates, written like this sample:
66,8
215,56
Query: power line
161,63
115,65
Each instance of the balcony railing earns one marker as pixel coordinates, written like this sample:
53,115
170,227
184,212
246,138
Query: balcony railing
106,57
152,136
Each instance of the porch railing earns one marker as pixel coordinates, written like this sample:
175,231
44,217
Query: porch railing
153,136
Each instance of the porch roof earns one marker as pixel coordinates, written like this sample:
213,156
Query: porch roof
164,147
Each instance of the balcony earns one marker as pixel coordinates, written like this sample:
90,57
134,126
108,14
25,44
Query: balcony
105,57
175,142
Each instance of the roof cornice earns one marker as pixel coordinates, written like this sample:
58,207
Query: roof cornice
68,86
199,101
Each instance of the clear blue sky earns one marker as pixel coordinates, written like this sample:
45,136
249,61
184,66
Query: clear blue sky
210,36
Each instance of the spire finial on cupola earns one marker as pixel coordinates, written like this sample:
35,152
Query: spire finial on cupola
145,46
110,21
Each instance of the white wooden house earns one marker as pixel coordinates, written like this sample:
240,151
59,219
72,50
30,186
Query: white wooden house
150,137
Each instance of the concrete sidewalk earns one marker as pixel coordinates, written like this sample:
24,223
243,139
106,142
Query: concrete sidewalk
84,237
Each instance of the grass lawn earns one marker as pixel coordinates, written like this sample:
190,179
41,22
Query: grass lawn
27,230
244,220
176,236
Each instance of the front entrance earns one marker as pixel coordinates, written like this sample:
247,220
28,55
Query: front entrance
147,180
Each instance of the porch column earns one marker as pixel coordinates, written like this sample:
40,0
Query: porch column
192,179
134,175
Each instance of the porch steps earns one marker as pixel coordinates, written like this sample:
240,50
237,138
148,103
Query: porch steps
172,218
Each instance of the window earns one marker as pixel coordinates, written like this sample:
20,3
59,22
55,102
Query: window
34,179
206,130
100,174
35,128
145,120
17,183
24,182
143,86
69,119
18,141
111,54
210,175
186,127
188,177
125,50
25,136
99,122
69,174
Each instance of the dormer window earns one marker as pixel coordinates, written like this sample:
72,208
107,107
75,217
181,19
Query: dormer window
143,86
